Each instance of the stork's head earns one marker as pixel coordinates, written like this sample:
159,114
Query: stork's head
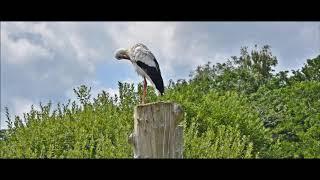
122,54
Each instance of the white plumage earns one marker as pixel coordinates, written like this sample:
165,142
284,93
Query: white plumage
140,52
145,64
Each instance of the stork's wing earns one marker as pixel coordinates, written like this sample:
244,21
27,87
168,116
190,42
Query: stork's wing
148,63
143,54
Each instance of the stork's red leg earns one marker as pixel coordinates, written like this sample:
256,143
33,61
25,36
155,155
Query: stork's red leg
144,90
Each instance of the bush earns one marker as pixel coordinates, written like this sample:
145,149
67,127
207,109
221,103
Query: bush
92,130
237,109
212,109
293,116
220,142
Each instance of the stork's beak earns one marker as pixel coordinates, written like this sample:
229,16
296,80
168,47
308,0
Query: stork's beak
127,57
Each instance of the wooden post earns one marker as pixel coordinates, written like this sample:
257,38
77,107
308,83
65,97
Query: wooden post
157,133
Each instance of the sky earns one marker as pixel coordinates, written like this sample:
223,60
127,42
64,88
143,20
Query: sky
42,61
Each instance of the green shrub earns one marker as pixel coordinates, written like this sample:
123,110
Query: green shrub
220,142
238,109
292,114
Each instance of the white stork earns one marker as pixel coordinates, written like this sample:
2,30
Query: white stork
145,65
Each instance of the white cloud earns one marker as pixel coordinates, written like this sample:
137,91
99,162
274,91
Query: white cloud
18,106
176,45
130,80
40,61
46,60
98,87
22,105
21,51
112,91
158,36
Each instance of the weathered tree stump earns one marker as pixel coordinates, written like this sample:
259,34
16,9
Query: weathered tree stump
157,133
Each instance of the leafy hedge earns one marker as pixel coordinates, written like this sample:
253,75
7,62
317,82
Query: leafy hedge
238,109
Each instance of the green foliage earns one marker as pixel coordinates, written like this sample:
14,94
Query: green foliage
2,134
224,142
212,109
97,130
310,71
244,74
292,114
237,109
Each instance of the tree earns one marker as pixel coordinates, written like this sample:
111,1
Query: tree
292,115
309,72
244,74
236,109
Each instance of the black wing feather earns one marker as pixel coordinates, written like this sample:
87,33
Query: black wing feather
154,73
